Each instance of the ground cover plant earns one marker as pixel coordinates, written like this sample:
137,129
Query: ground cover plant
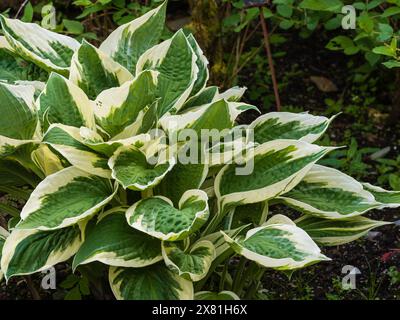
89,140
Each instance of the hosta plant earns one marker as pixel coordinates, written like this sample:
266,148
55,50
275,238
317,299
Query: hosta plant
95,140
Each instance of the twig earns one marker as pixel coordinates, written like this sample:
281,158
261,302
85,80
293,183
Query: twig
35,294
20,8
270,60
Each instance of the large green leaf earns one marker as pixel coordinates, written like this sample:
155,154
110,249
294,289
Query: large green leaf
13,68
157,216
330,194
175,60
93,71
279,166
193,264
49,50
112,241
117,108
278,244
132,169
30,251
18,122
154,282
64,198
129,41
68,141
328,232
64,102
387,198
286,125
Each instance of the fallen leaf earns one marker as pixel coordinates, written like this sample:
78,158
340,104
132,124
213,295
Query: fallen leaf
324,84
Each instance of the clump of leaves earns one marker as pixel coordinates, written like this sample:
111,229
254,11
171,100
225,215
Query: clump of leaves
96,143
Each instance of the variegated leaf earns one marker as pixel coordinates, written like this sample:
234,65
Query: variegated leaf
281,246
93,71
202,65
387,198
278,166
328,232
223,295
65,198
132,168
206,96
215,115
3,235
46,160
158,217
154,282
69,142
112,241
183,177
18,121
64,102
330,194
49,50
30,251
175,60
193,264
234,94
117,108
129,41
286,125
13,68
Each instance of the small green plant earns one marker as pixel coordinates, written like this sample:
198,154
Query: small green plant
115,145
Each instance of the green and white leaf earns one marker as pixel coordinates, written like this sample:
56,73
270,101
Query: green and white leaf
119,107
68,142
202,65
129,41
158,217
19,121
30,251
223,295
387,198
331,194
206,96
94,71
49,50
286,125
15,69
46,160
64,102
328,232
154,282
215,115
113,242
233,94
140,169
65,198
3,235
278,166
183,177
280,246
175,60
193,264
